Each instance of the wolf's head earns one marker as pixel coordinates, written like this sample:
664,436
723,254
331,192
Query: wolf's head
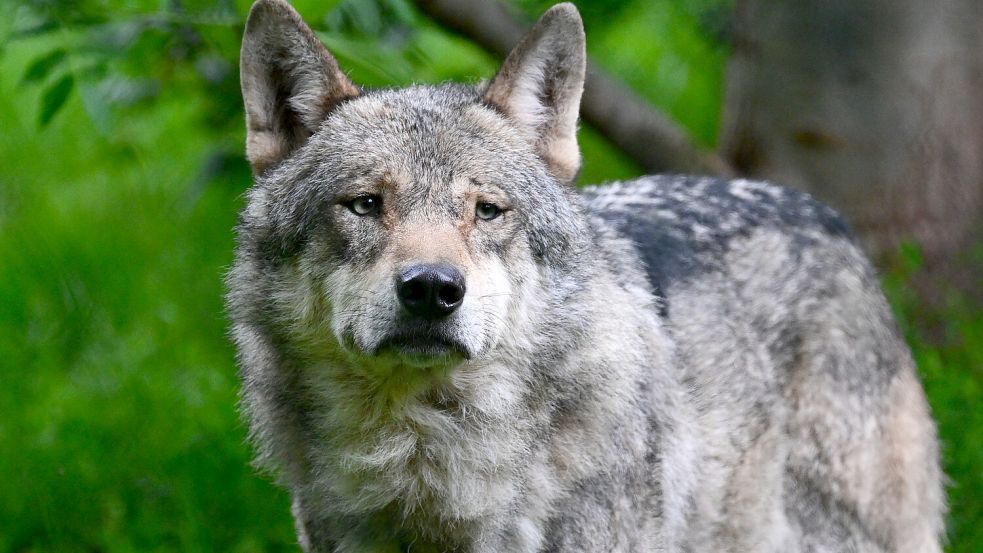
415,226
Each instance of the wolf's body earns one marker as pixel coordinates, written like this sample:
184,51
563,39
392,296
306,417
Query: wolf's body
668,364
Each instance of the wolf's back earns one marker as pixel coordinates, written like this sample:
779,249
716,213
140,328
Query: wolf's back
684,226
796,360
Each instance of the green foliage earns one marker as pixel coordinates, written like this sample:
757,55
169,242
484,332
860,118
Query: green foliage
680,70
672,53
54,98
122,175
41,67
119,430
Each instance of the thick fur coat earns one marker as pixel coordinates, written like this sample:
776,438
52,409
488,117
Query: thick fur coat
445,347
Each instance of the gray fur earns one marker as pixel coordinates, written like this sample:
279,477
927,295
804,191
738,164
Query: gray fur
668,364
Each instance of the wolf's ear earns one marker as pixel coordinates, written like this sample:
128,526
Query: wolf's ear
539,87
289,82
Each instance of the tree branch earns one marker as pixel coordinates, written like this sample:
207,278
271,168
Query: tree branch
647,135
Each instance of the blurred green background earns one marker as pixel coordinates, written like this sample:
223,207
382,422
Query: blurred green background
121,173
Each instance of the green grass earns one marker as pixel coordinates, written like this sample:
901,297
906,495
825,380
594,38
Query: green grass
953,376
118,425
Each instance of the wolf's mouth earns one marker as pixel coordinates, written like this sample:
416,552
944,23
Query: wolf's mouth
423,347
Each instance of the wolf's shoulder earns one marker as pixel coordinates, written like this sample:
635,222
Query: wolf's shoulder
683,225
713,209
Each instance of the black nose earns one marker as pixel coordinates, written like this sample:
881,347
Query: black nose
430,291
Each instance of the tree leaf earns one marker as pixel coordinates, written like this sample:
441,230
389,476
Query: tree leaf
41,67
54,99
34,28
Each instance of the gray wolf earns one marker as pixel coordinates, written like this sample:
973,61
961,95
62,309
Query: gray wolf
444,346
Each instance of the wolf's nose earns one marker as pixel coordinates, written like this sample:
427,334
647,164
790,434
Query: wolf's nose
430,291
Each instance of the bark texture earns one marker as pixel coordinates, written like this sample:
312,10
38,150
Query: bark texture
875,107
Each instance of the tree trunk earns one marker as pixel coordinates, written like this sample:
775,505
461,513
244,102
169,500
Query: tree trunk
875,107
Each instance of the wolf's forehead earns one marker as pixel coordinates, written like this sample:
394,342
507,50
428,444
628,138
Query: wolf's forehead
411,116
440,130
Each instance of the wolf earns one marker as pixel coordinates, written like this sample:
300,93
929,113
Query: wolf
445,346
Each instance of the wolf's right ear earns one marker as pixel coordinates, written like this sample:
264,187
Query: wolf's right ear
540,84
289,82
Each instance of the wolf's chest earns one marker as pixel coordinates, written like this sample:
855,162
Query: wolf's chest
447,458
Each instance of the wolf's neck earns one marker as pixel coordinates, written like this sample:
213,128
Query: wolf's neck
438,458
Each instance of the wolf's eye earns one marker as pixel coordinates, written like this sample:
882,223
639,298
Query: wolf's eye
364,205
487,211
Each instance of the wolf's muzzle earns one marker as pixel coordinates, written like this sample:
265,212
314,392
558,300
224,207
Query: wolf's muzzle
430,291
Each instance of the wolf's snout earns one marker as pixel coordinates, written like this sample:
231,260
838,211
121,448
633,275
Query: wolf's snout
430,291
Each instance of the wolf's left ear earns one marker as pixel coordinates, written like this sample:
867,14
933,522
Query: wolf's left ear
289,82
539,87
